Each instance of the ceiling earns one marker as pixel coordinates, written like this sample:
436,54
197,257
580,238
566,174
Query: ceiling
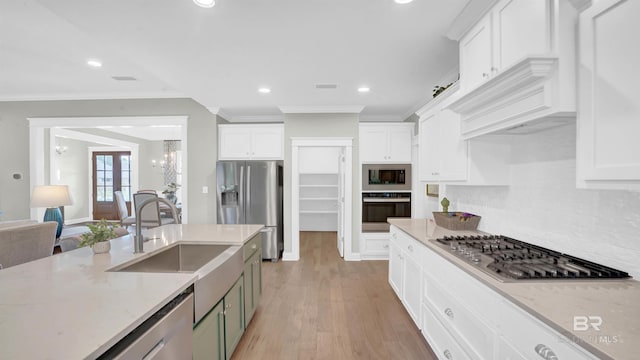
222,55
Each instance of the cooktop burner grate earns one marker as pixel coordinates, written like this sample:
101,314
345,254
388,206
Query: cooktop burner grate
517,260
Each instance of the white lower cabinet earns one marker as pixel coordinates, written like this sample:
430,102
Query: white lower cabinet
405,272
472,333
505,351
395,268
374,246
461,317
533,339
442,344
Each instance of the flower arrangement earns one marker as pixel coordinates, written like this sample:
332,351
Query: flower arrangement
100,232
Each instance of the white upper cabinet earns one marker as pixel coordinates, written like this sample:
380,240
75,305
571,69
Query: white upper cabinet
608,150
476,55
386,142
511,31
445,157
517,66
250,142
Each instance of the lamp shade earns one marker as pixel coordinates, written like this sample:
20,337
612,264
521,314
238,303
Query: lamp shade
51,196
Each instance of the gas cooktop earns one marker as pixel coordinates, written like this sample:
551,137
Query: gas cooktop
508,259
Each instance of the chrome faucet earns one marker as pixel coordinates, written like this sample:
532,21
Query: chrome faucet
138,240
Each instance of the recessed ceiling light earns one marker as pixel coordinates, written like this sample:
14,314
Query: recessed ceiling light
264,90
402,1
94,63
205,3
364,89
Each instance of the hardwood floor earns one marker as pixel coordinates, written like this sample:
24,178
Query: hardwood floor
322,307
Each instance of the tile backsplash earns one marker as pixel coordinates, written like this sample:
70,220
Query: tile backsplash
542,205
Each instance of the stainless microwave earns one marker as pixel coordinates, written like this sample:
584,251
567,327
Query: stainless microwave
386,177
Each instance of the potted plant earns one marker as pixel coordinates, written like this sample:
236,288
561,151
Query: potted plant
99,236
170,192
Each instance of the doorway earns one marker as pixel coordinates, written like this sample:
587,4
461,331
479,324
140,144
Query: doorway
111,172
321,187
43,162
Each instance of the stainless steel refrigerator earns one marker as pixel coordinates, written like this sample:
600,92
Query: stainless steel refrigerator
250,192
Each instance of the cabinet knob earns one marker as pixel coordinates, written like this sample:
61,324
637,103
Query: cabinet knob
385,246
494,69
448,355
545,352
448,312
485,75
410,247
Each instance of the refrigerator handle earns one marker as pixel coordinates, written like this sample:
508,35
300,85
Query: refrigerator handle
241,195
248,194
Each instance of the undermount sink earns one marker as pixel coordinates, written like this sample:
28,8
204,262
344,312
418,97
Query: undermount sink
178,258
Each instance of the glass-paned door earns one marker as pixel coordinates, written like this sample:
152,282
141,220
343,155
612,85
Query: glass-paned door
111,172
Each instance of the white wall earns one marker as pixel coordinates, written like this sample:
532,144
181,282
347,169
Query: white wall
73,169
543,206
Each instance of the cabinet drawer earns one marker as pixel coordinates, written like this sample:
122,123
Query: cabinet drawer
474,295
530,337
410,246
472,332
252,246
439,339
375,244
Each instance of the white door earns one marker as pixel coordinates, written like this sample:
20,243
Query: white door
341,185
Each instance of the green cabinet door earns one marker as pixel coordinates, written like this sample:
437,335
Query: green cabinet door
234,316
252,285
208,335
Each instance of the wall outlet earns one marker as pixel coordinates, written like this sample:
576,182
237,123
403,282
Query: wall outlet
205,189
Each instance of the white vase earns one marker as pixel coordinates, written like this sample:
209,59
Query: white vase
101,247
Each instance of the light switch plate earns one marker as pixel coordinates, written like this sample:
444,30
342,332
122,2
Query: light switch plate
205,189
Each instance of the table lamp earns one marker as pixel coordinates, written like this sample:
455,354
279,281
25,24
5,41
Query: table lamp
52,197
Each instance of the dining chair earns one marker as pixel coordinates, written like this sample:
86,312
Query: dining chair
26,243
147,191
150,215
123,212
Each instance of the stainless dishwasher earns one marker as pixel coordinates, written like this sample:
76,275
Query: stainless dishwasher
167,334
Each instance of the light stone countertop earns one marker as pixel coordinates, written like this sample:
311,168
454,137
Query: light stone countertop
67,306
556,302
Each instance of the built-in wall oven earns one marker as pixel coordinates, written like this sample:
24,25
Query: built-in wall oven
386,192
378,206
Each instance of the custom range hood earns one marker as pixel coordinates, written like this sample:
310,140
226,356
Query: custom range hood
523,89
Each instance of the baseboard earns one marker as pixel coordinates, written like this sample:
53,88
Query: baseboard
375,257
352,257
287,256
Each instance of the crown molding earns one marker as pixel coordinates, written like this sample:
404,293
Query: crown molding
258,119
581,5
82,122
381,118
108,96
350,109
470,15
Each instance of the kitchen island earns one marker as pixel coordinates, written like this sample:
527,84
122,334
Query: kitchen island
68,306
599,318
